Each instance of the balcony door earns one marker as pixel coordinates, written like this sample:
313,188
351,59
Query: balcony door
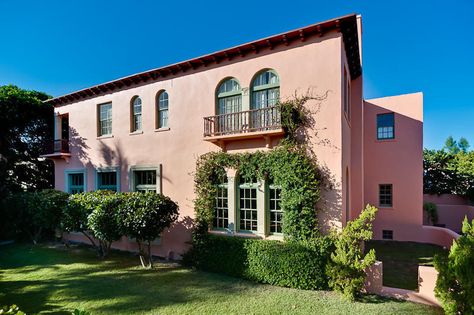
265,97
229,107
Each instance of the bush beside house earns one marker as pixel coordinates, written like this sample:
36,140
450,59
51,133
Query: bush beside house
34,215
455,283
335,261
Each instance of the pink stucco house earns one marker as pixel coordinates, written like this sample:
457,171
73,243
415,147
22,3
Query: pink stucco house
144,132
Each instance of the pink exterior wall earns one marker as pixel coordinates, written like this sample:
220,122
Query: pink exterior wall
398,162
445,199
452,210
355,163
313,64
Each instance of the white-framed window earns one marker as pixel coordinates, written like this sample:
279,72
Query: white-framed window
229,101
76,181
145,178
386,195
221,210
346,93
107,178
247,202
162,107
275,210
136,117
104,115
249,206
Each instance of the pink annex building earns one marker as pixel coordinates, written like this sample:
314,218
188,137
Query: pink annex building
145,132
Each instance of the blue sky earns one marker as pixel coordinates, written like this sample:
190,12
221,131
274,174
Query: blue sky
61,46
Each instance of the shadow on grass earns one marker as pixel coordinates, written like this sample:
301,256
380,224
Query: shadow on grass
113,286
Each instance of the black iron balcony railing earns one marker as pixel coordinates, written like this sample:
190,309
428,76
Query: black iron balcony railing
264,119
61,146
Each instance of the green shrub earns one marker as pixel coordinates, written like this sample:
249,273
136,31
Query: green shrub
104,221
36,214
455,283
346,268
289,264
221,254
94,214
144,216
432,212
11,310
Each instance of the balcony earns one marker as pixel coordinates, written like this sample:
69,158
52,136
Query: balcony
256,123
59,149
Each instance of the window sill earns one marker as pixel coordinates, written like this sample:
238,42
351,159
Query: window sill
138,132
386,140
162,129
386,208
105,137
235,234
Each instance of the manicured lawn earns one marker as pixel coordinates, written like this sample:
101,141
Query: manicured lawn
54,280
401,261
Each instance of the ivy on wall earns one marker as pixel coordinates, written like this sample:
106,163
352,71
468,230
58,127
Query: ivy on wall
289,165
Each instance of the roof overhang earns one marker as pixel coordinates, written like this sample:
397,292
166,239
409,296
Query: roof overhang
347,25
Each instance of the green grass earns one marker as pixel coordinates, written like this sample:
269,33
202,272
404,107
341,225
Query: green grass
401,261
52,280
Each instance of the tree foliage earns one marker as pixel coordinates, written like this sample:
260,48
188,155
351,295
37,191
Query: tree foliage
144,216
432,211
450,170
455,283
346,269
36,214
25,133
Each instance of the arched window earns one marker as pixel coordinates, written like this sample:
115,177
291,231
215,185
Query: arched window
229,101
265,93
265,90
162,107
136,118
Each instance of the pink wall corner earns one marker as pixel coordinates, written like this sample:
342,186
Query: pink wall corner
398,162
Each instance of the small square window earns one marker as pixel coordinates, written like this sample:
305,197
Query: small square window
386,195
107,180
387,234
76,183
385,126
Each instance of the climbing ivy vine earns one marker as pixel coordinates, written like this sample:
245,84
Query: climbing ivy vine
289,165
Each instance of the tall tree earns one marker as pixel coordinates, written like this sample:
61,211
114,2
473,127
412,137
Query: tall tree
451,145
463,145
26,131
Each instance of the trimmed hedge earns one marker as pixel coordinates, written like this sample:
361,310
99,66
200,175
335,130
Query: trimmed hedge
287,264
32,214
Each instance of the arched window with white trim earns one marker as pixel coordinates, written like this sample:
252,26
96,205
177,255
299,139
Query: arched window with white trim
265,90
229,103
136,118
162,107
265,94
